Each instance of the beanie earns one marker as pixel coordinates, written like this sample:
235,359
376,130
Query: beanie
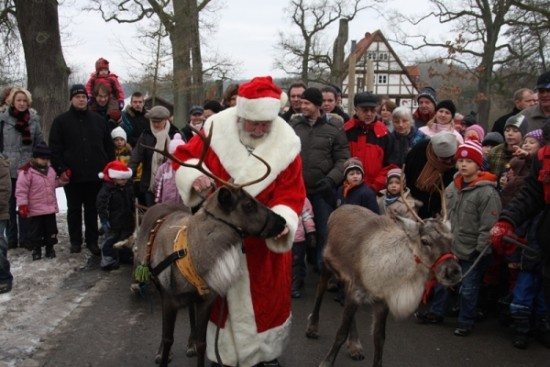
394,172
118,132
493,139
444,144
353,163
477,129
471,149
429,93
41,150
213,106
77,89
470,119
196,110
313,95
101,64
259,99
174,143
537,135
447,104
115,170
517,121
543,81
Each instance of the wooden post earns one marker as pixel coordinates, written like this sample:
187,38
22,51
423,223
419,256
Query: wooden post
369,83
351,78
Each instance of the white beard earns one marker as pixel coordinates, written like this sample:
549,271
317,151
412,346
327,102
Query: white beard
246,138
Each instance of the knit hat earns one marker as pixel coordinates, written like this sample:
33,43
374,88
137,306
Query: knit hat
41,150
77,89
174,143
471,149
115,170
158,113
259,99
101,64
444,144
493,139
537,135
517,121
447,104
429,93
313,95
196,109
543,82
394,172
478,130
353,163
470,119
213,106
365,99
118,132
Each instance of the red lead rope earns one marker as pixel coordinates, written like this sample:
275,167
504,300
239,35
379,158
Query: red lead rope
431,282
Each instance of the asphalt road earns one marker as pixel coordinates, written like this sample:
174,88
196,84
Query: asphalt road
114,328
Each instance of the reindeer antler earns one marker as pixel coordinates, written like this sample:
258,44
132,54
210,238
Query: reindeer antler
413,212
199,165
443,198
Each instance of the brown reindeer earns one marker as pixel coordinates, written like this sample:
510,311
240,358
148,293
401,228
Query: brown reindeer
382,261
214,244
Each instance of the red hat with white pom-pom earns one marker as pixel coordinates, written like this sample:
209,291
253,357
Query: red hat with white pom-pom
260,99
115,170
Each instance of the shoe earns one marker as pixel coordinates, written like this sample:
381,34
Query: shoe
37,254
94,249
110,267
50,252
75,249
462,331
521,341
428,318
5,287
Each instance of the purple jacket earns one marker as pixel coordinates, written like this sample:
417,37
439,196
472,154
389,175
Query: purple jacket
165,185
306,223
37,190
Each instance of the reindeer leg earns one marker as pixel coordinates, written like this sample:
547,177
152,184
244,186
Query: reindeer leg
191,342
350,309
169,313
312,330
202,316
380,315
355,349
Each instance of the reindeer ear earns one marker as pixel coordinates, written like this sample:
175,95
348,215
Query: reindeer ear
225,199
410,227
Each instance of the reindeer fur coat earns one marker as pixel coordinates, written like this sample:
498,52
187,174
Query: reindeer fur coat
257,325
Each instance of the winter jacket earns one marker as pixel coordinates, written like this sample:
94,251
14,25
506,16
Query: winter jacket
402,144
306,224
498,126
165,185
324,149
359,195
535,118
340,112
80,141
107,112
398,208
145,156
5,188
110,81
133,122
497,159
37,190
288,114
473,210
115,204
373,145
17,153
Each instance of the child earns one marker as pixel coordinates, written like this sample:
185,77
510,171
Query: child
305,235
391,203
514,131
490,141
123,150
102,75
115,207
474,132
474,206
354,190
36,199
165,180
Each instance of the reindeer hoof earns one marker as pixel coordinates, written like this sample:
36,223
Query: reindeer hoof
325,364
158,358
312,332
355,351
191,350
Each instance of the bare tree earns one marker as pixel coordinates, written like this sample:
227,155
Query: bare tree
302,55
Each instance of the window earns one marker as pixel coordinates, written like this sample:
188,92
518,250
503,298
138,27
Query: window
382,79
360,83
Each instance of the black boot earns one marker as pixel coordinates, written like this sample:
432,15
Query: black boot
50,252
543,331
37,253
94,249
521,325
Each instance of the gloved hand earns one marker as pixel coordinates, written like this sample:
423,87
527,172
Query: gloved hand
324,187
66,175
311,239
500,229
23,211
105,225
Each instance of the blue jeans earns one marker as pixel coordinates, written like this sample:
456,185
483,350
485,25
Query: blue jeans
468,293
528,295
321,211
5,274
111,256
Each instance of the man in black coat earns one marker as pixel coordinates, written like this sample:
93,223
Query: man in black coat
133,118
81,147
523,98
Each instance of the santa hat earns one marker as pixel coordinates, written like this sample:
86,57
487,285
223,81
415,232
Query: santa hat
174,143
101,64
260,99
118,132
115,170
471,149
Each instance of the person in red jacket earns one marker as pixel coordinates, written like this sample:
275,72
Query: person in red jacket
102,75
369,140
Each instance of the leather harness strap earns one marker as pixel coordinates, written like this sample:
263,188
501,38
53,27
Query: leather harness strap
185,263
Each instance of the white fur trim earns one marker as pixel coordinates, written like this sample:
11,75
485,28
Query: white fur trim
258,109
239,341
225,271
284,244
184,182
116,174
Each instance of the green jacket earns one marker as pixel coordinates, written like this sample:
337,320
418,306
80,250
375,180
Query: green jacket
472,211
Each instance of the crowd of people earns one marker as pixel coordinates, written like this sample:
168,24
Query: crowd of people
496,184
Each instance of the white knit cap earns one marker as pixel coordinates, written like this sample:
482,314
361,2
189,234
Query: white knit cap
118,132
444,144
174,143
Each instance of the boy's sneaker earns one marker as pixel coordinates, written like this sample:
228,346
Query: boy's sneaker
520,341
5,287
94,249
50,252
428,318
37,254
463,331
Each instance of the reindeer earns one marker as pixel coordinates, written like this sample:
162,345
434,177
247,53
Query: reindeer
385,262
214,245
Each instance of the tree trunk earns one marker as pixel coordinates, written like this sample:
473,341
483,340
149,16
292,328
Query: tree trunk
337,70
196,57
179,38
305,62
47,72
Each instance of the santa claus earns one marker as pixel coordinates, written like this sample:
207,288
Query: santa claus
256,325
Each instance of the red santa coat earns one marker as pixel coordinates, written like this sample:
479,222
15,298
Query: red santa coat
257,324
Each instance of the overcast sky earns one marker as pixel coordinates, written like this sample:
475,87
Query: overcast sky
246,32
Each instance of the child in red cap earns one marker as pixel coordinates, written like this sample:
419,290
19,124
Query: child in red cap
102,75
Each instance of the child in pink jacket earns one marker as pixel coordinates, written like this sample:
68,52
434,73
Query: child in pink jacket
36,199
165,179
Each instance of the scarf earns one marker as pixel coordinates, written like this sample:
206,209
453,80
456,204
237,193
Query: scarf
158,159
22,124
424,117
40,168
389,199
429,176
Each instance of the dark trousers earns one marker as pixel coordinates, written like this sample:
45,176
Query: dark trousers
17,228
82,194
321,211
5,274
111,256
299,269
42,230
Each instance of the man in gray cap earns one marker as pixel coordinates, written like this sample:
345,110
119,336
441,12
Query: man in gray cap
539,115
424,164
427,100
